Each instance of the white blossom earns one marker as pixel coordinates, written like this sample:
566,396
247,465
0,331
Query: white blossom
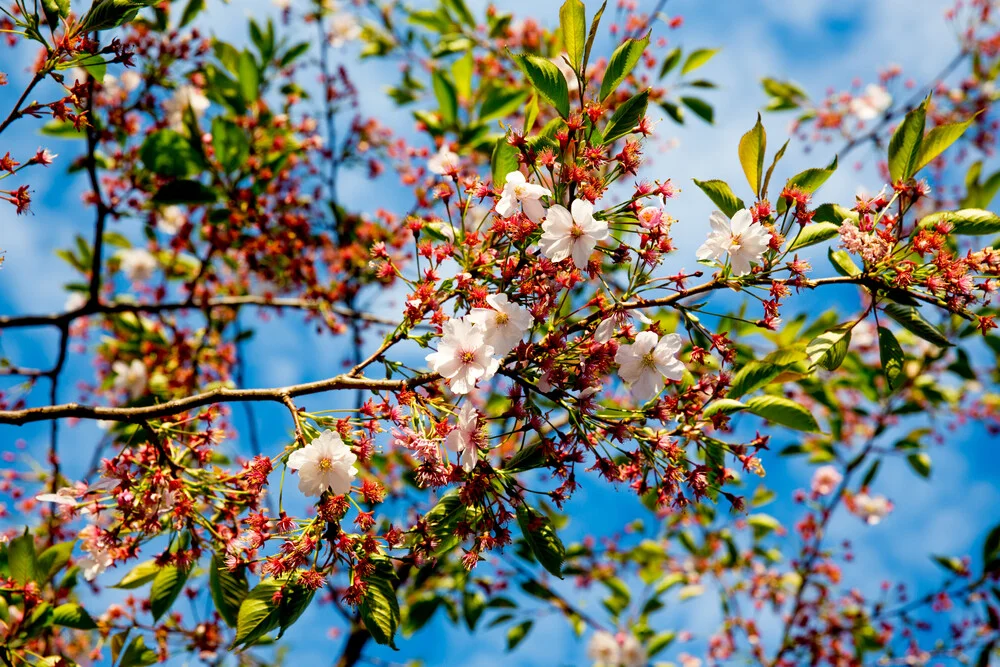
575,234
131,377
871,508
186,96
632,652
325,463
137,263
75,301
645,363
825,480
744,241
463,357
603,649
503,324
98,558
63,496
170,219
344,28
445,161
517,189
462,438
872,103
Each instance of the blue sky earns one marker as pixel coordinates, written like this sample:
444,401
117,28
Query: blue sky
819,43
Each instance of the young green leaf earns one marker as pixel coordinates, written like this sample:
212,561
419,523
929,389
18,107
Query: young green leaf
622,62
904,147
137,655
784,411
55,557
721,195
752,376
167,585
21,559
670,61
696,59
447,97
379,607
753,145
74,616
542,539
573,23
228,590
910,319
723,406
168,153
547,80
258,613
814,233
938,140
920,463
626,117
140,574
830,348
843,263
503,162
592,34
809,181
517,634
891,355
700,107
968,221
501,102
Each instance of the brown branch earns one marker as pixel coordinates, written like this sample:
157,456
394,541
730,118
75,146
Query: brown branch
219,395
55,319
15,113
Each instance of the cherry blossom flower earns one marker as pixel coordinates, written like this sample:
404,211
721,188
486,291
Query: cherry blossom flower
186,96
632,652
462,438
75,301
63,496
871,508
825,480
575,234
603,649
872,104
517,189
504,323
131,377
444,162
171,219
325,463
99,558
344,28
137,263
463,357
644,364
743,240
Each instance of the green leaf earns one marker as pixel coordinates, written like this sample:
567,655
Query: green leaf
504,161
62,129
184,192
249,77
834,213
774,163
107,14
753,145
542,539
71,615
938,140
622,62
721,195
968,221
910,319
461,72
21,559
814,233
547,80
168,153
808,181
501,102
55,10
191,10
517,634
447,97
697,58
784,411
167,585
722,406
231,144
830,348
258,613
700,107
891,355
659,642
752,376
140,574
462,11
573,22
379,607
295,599
904,147
473,605
670,61
921,464
594,23
228,590
991,546
626,117
54,559
674,111
137,655
843,263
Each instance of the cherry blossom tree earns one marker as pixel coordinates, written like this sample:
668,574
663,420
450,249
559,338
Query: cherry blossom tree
517,323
